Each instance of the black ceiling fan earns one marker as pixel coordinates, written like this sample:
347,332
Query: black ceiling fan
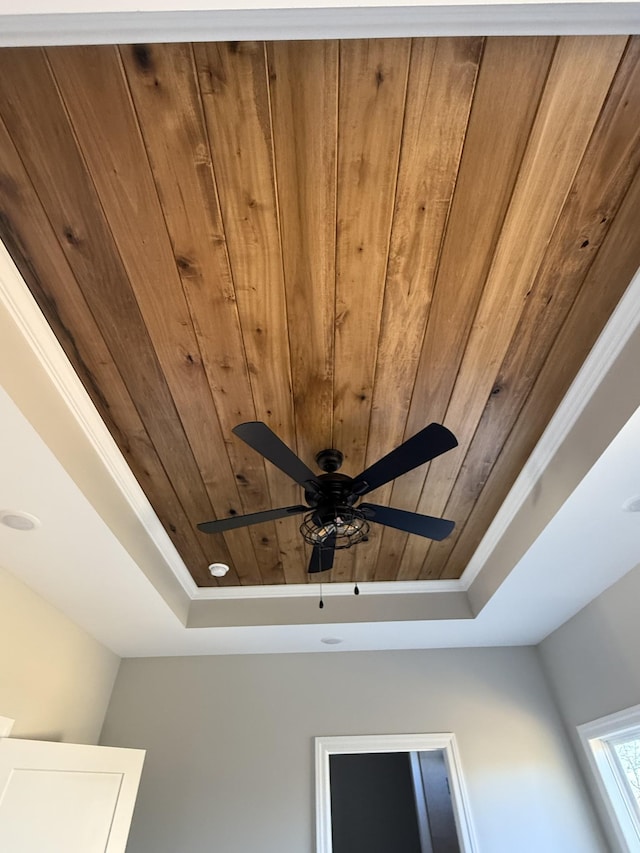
332,520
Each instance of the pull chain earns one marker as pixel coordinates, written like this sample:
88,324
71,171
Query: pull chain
321,604
356,590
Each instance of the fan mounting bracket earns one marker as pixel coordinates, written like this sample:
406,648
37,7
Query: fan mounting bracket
329,460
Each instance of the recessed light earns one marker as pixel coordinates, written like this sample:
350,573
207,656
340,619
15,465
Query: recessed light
331,641
17,520
632,504
218,570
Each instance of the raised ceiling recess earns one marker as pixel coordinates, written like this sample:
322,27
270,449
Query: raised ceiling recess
345,240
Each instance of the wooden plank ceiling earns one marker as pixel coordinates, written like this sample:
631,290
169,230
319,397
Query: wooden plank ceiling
346,240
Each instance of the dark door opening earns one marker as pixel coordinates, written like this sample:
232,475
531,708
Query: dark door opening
397,802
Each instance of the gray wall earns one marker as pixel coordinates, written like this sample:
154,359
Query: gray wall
593,663
229,744
593,660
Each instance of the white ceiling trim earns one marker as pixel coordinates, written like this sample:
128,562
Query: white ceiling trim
296,590
114,21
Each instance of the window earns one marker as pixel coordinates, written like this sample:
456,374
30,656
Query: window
613,747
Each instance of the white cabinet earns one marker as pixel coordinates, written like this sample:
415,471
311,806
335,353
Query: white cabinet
66,798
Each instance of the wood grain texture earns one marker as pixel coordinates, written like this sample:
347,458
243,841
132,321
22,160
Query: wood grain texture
508,89
303,80
235,93
27,233
164,88
99,107
613,155
373,80
303,87
442,77
607,279
344,240
578,83
44,137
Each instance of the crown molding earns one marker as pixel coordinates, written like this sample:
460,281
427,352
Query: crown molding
113,23
302,590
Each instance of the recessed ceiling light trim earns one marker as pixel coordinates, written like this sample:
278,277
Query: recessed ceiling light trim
17,520
632,504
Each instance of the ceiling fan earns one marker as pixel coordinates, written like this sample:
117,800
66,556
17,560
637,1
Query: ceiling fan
332,520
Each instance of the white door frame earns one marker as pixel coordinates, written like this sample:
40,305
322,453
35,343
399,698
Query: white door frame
446,741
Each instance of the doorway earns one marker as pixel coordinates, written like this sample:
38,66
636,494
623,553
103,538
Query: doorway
391,792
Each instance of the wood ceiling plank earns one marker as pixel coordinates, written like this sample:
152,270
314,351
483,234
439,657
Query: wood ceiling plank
507,91
366,555
344,567
579,80
294,563
258,125
93,87
234,88
38,124
442,75
606,170
27,234
613,268
373,80
164,87
303,82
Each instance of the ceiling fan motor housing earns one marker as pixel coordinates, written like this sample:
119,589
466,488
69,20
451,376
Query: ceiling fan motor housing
331,489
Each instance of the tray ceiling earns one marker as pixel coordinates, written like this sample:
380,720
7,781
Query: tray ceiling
346,240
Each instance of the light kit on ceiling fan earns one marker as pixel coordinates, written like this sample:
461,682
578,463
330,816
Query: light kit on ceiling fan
332,521
344,523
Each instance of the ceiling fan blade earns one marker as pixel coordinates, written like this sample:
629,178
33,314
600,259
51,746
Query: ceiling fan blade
262,439
422,447
322,557
410,522
234,521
